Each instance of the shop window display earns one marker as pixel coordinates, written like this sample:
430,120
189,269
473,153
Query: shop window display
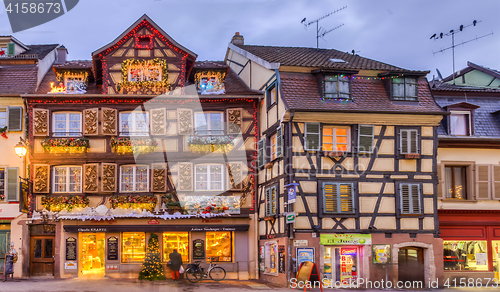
341,264
176,240
92,253
271,259
465,256
133,246
496,263
219,246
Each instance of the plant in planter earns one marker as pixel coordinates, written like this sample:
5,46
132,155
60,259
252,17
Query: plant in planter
134,202
171,205
57,204
65,145
3,132
207,144
134,145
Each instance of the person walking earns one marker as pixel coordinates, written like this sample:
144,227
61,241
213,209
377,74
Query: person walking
175,264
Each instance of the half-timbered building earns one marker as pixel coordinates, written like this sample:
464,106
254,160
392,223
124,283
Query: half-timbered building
141,139
469,173
346,165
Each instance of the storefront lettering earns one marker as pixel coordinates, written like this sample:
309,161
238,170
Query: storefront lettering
211,220
92,229
270,236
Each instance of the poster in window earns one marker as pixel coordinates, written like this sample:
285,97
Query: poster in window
71,249
198,249
381,253
112,248
262,257
348,265
281,259
481,259
304,254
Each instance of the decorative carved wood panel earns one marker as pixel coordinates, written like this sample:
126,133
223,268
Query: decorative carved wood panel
90,178
185,121
185,178
159,182
90,121
40,122
41,178
234,118
158,121
235,180
109,174
109,121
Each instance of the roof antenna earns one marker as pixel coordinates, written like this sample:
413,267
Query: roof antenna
439,74
452,47
321,32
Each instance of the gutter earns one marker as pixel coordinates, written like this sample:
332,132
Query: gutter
373,112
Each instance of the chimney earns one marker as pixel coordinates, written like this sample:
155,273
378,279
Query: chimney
238,39
62,52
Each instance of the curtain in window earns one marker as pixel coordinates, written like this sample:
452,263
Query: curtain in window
398,87
201,177
127,179
410,87
216,177
141,179
124,123
344,89
458,123
60,124
60,179
75,177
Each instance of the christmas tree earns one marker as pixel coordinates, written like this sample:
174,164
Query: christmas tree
152,269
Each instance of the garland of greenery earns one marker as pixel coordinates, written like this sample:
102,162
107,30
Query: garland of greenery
56,204
126,84
60,74
221,75
127,145
69,143
134,202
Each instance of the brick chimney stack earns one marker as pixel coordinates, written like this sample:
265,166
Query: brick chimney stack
238,39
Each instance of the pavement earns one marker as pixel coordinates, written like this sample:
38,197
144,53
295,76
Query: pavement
130,285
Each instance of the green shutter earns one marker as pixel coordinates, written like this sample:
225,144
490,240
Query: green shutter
261,148
279,142
12,179
15,118
312,136
268,206
365,138
11,49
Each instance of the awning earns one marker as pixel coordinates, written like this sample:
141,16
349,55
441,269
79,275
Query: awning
155,228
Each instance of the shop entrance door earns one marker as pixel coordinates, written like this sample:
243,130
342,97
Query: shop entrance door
92,251
42,256
341,264
411,264
4,247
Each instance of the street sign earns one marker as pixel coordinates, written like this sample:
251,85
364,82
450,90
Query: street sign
292,193
290,217
299,242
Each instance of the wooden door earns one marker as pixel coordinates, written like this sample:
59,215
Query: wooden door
42,256
411,264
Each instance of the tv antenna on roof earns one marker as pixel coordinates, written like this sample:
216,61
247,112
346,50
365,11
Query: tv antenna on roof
452,47
321,32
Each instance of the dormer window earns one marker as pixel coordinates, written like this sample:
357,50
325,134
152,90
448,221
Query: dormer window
75,83
404,89
460,123
336,87
145,73
210,82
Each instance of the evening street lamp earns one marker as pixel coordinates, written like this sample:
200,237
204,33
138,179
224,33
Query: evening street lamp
20,148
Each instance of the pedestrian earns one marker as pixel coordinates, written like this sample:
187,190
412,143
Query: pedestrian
175,264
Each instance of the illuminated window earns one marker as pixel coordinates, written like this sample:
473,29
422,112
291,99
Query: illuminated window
67,124
271,258
273,147
219,246
75,82
2,184
455,182
178,241
134,124
138,73
336,139
465,256
336,87
208,123
208,177
67,179
134,178
404,89
133,246
338,198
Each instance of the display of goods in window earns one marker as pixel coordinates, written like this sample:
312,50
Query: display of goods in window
57,204
133,145
133,202
207,144
65,145
211,204
172,206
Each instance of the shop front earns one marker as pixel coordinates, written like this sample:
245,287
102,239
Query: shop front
117,248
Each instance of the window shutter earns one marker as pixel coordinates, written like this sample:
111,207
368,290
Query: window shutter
12,180
273,200
185,121
234,120
330,198
483,179
415,197
185,177
405,199
159,181
90,178
41,178
279,142
109,121
235,175
495,181
312,136
268,200
261,152
365,138
441,183
413,141
403,146
158,121
11,49
345,199
90,122
40,122
109,173
15,118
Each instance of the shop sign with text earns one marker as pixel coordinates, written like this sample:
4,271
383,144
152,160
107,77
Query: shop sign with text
345,239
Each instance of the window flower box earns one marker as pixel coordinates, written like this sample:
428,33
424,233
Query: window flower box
57,204
133,202
412,156
208,144
135,145
65,145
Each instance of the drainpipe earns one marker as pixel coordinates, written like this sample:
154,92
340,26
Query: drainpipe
256,214
289,168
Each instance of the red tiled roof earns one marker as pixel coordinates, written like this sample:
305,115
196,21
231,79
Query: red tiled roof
318,58
300,92
44,87
236,86
18,79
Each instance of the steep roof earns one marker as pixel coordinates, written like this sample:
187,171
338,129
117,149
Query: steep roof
322,58
18,79
76,64
301,92
41,50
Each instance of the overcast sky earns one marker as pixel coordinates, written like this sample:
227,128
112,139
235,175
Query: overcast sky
392,31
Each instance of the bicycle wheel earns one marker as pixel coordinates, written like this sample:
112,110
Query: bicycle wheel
192,276
217,274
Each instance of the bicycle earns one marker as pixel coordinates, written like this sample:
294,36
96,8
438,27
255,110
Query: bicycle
194,272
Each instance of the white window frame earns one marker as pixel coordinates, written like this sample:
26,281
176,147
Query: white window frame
469,122
67,133
67,183
208,123
133,126
6,119
209,181
134,182
334,135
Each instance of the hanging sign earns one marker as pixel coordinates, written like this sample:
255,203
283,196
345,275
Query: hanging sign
292,192
71,249
112,248
281,259
290,217
304,254
345,239
198,249
381,253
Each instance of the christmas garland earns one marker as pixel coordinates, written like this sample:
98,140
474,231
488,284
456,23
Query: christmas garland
134,202
3,132
126,84
71,145
208,144
127,145
60,75
56,204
